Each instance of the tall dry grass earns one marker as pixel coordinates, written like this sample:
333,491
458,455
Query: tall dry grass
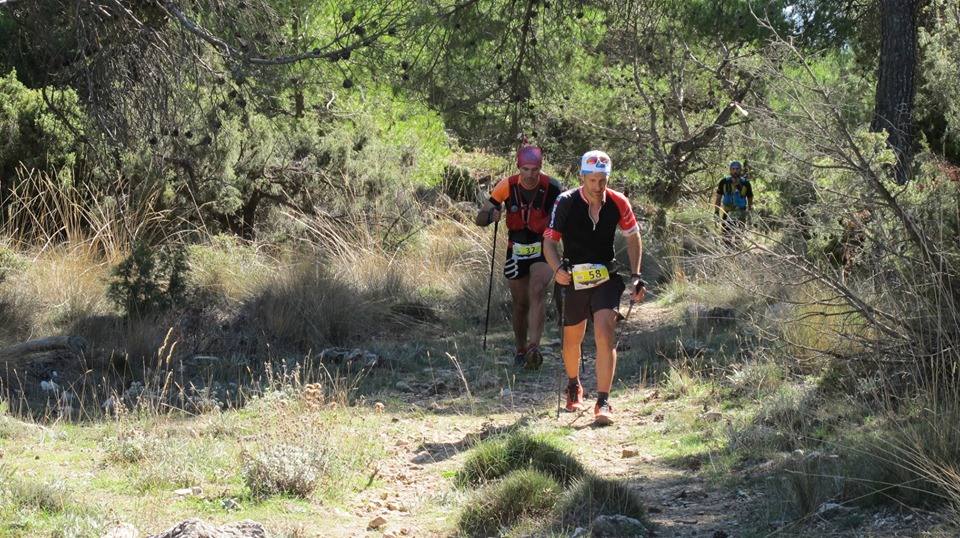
67,239
43,213
60,286
345,281
865,351
880,339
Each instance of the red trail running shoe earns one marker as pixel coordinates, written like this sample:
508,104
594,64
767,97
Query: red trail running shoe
574,397
603,414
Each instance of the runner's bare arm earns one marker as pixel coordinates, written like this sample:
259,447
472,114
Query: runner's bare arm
490,211
487,215
552,254
635,254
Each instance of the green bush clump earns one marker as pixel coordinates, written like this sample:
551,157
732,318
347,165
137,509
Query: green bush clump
283,470
531,486
591,496
522,493
10,262
128,448
33,136
498,457
150,280
52,497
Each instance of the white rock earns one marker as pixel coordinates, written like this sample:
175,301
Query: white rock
830,509
49,386
194,528
122,530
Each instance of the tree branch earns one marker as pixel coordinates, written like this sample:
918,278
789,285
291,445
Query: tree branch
316,54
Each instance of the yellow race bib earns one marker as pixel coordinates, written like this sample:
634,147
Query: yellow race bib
589,275
527,252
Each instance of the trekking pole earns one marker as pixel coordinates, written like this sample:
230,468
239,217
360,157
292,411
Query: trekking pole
622,320
560,320
493,258
563,370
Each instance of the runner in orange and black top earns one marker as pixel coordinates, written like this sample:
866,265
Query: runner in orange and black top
529,198
585,220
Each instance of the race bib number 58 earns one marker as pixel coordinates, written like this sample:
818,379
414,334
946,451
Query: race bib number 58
589,275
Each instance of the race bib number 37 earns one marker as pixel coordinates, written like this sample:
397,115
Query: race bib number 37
589,275
527,252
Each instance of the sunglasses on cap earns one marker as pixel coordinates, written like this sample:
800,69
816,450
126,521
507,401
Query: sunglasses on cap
597,160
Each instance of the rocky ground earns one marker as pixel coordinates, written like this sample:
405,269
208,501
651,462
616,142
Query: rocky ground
683,499
428,424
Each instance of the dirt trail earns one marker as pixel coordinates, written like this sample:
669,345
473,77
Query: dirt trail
426,450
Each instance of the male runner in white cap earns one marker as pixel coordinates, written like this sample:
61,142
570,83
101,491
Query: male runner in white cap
585,220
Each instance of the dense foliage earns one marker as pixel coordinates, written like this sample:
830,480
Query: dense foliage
230,111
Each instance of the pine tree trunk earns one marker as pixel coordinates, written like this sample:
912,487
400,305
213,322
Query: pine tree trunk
896,79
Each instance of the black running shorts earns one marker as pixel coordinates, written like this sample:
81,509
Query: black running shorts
516,269
579,305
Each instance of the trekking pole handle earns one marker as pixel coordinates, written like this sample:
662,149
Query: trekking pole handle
640,282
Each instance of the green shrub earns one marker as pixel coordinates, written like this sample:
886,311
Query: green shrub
10,262
9,429
757,378
592,496
679,380
806,482
51,497
226,267
522,493
32,135
150,280
500,456
174,462
283,470
128,448
79,524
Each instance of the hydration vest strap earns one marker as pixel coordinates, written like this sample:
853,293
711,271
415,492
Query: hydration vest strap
525,208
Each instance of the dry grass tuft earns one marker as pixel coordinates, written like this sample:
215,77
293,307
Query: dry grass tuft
63,285
284,469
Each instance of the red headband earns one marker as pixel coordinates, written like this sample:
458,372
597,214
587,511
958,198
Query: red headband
529,156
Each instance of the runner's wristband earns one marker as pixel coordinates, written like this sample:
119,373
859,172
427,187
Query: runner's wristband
639,277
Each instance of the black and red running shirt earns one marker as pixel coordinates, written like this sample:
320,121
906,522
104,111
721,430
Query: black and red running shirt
586,241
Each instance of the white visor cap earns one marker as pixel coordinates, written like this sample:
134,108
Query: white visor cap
595,161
